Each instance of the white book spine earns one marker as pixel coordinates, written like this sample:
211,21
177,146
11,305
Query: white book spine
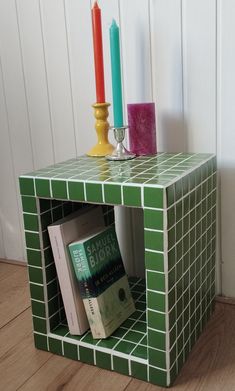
73,304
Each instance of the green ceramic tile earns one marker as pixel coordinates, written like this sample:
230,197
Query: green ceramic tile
156,281
39,325
48,256
108,343
156,320
112,194
173,355
140,326
133,336
56,214
61,330
45,239
125,347
32,240
192,180
30,222
156,376
53,305
103,360
154,261
52,289
40,341
59,189
154,240
89,339
50,272
185,185
35,275
179,210
86,355
171,237
156,339
27,186
153,219
140,305
156,301
140,351
131,196
139,370
171,217
119,332
170,193
55,345
94,192
76,191
120,365
43,188
38,308
157,358
29,204
178,190
70,351
34,257
153,197
44,205
54,320
36,292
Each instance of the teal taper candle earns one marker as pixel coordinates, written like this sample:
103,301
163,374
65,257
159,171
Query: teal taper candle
116,74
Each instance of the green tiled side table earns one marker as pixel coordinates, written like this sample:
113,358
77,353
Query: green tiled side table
177,193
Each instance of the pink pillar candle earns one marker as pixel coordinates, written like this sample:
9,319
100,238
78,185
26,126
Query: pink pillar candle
142,128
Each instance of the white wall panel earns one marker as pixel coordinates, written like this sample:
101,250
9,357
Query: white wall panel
59,81
80,51
199,74
13,78
10,234
35,81
167,74
136,51
16,155
226,140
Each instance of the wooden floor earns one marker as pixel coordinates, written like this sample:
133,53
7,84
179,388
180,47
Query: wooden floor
211,364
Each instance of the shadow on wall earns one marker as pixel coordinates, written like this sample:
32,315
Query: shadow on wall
172,133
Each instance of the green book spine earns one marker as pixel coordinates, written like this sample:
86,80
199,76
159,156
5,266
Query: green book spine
97,262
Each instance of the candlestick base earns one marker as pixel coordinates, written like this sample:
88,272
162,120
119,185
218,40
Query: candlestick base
120,152
103,146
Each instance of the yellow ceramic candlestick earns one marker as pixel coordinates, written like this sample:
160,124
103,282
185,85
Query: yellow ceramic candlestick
103,147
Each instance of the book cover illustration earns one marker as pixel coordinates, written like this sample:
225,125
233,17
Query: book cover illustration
102,280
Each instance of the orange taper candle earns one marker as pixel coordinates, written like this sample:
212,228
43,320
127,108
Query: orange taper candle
98,53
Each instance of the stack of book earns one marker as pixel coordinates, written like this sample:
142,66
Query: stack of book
92,278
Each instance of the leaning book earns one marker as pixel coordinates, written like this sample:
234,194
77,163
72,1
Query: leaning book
61,233
102,280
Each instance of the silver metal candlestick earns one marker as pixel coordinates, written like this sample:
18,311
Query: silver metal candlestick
120,152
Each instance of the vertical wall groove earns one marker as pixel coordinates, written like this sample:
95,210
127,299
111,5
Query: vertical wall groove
70,77
47,83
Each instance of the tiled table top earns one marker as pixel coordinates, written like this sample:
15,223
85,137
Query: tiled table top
160,170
